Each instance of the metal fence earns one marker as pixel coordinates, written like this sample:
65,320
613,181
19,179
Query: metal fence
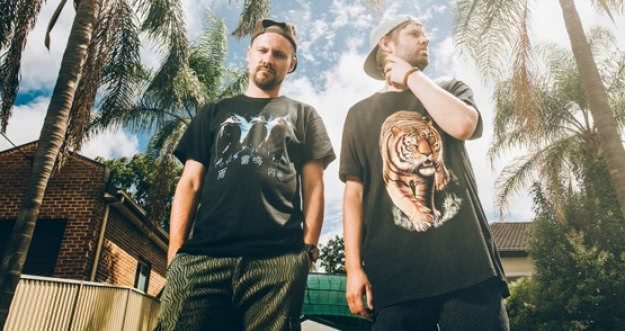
51,304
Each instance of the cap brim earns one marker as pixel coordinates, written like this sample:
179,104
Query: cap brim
371,67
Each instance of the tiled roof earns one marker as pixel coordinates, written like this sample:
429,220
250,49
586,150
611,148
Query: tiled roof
511,236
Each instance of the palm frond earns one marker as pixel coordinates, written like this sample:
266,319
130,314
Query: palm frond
123,73
236,85
9,69
609,6
55,17
190,92
167,135
165,21
486,31
510,129
480,47
522,80
97,56
161,191
208,56
518,174
253,10
8,15
513,138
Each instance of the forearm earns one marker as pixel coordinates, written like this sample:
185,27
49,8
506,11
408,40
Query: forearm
313,216
454,116
182,213
352,226
313,202
184,206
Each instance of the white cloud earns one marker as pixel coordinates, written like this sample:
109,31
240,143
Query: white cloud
40,67
27,120
110,144
343,85
548,24
25,123
355,15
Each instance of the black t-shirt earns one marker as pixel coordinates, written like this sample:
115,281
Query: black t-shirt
253,150
425,230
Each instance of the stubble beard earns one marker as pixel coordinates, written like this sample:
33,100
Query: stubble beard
266,82
419,59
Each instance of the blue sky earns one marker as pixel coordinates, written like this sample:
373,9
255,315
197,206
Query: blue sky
333,41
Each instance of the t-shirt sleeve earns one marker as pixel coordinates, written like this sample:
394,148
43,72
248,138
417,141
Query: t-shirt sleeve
463,92
350,164
196,142
317,145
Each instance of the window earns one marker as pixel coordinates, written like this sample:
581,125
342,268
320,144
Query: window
142,278
44,246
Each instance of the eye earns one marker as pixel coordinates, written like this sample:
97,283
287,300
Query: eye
279,55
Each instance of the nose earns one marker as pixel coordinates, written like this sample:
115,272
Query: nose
268,57
424,41
424,147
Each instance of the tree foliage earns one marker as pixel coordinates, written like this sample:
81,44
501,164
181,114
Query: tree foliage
580,261
565,127
142,177
496,35
332,256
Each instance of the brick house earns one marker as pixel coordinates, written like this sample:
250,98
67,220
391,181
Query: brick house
86,229
512,243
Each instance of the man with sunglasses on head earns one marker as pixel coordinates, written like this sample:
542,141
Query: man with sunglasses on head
253,183
419,254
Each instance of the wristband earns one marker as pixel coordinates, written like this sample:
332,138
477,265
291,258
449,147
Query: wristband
312,251
408,73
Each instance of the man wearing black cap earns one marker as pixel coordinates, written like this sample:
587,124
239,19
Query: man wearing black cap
418,250
254,165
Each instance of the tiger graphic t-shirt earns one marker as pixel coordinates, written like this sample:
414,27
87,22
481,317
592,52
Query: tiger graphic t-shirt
253,150
425,232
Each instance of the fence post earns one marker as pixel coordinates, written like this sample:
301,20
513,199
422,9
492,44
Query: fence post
126,309
74,305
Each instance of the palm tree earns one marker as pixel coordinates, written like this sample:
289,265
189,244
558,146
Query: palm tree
49,145
566,134
102,49
492,31
166,109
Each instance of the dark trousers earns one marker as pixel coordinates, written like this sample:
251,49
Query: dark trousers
479,307
209,293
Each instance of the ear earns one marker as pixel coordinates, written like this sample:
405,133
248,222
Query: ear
386,45
293,63
396,131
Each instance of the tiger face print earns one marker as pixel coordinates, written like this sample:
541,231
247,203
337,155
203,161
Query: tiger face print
413,167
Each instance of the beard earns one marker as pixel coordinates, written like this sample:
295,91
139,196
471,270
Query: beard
267,80
418,59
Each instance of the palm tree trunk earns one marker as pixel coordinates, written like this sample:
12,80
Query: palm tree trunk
50,141
597,97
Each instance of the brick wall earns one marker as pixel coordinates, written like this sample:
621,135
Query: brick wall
124,245
73,195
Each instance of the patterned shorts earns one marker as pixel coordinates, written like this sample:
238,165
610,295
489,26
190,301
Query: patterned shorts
214,293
